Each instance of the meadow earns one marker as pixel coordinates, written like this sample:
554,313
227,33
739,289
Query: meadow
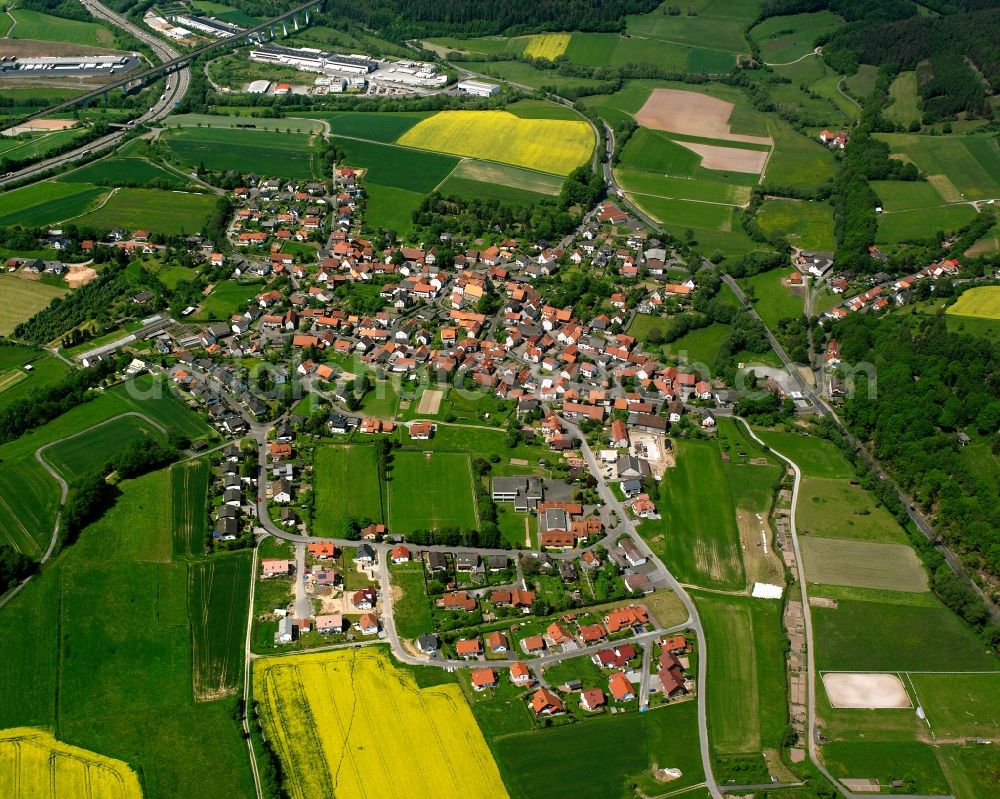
390,208
168,212
35,25
226,298
397,167
698,541
639,182
491,175
797,160
285,155
900,195
157,398
886,761
922,223
716,24
789,37
904,106
92,450
189,490
33,763
47,202
23,299
959,705
228,117
218,599
36,145
306,699
412,610
547,145
808,225
698,346
982,302
892,567
772,298
480,190
836,508
377,126
547,764
816,457
117,171
970,164
347,486
521,72
431,492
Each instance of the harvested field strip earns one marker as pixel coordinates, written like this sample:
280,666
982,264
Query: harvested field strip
34,764
894,567
316,707
729,159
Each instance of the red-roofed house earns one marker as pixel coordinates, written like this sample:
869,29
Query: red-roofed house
621,689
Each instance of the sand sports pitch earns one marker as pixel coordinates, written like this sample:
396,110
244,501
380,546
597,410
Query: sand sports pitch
728,159
867,691
691,114
40,126
430,401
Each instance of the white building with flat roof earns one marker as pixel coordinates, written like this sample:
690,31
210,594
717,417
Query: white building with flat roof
477,88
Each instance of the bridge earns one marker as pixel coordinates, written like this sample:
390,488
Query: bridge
299,17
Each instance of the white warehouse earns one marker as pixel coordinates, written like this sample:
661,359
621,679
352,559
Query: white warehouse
477,88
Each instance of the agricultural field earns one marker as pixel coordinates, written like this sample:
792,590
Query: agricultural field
772,297
546,45
189,489
892,567
316,707
698,541
217,607
33,763
347,486
922,223
900,195
431,491
497,175
168,212
978,303
92,450
35,25
119,171
227,117
17,383
808,225
836,508
397,167
796,159
226,299
377,126
156,398
505,138
287,155
547,764
878,636
23,299
904,107
962,167
47,202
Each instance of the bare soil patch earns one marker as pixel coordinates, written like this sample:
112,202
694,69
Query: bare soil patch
39,48
693,114
40,126
731,159
867,691
80,275
430,401
759,558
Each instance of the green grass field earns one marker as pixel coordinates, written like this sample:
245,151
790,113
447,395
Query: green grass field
922,223
398,167
888,760
35,25
834,508
23,299
699,346
389,208
125,171
698,541
155,397
17,384
972,770
478,190
897,195
286,155
347,486
37,145
47,202
772,298
710,191
959,705
228,117
541,109
547,764
786,38
797,160
218,600
816,457
970,164
712,23
412,611
808,225
876,636
904,107
189,490
520,72
866,564
91,451
158,211
226,298
375,126
502,175
431,492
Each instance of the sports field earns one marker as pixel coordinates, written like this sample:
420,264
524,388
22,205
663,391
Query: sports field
47,202
546,45
22,300
169,212
982,302
549,145
33,763
836,508
351,724
808,225
286,155
347,486
431,491
893,567
91,451
217,607
698,541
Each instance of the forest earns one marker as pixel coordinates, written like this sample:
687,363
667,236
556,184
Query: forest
932,384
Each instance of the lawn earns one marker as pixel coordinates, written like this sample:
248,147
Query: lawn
548,145
347,486
546,764
808,225
913,762
168,212
698,540
772,298
876,636
431,492
979,303
816,457
91,451
218,599
305,700
397,167
836,508
226,298
904,107
286,155
411,610
118,171
23,299
35,25
189,490
47,202
892,567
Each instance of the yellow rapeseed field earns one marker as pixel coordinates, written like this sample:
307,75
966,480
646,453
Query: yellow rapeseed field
34,765
547,45
350,724
557,146
981,303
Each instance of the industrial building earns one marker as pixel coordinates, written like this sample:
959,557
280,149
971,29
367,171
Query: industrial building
477,88
208,26
312,60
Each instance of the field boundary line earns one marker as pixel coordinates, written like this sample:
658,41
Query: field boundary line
461,161
685,199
